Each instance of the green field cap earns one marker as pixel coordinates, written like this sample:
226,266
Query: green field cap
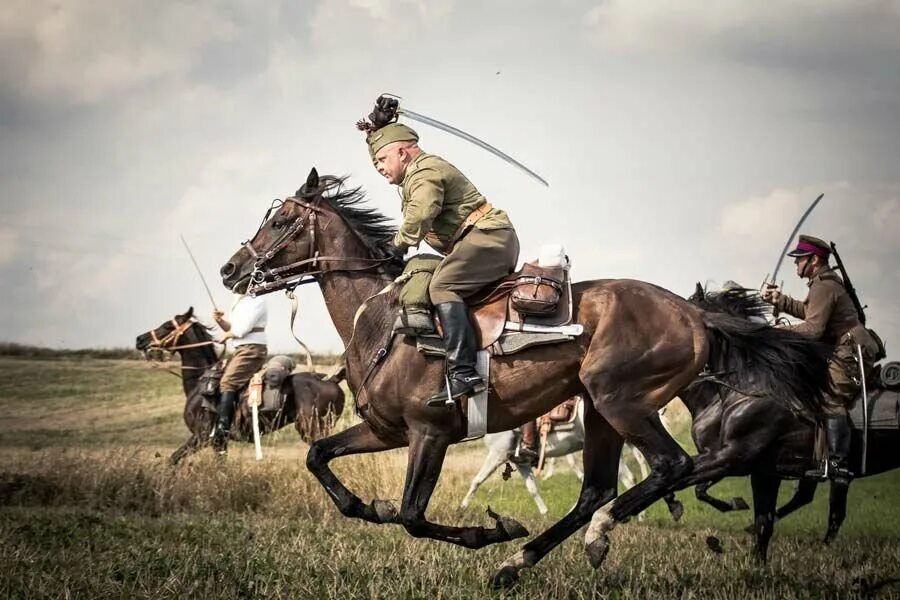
390,133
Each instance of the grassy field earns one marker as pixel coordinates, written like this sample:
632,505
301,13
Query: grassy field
90,509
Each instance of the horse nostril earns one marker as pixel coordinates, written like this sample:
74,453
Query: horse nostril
227,270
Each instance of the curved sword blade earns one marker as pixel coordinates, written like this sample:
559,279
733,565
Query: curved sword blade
470,138
787,244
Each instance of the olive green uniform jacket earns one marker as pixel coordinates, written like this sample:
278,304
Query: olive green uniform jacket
829,315
436,200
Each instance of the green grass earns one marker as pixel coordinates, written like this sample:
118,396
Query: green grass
89,508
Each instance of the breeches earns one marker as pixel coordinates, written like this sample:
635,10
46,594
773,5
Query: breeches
247,360
478,259
844,380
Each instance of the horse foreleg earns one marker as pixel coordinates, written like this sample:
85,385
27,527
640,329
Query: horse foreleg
358,439
190,446
527,474
573,464
602,449
549,468
493,460
837,509
426,457
736,503
765,498
806,491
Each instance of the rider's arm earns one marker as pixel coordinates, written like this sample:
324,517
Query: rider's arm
425,192
791,306
819,306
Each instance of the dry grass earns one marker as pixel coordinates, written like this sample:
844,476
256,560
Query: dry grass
89,508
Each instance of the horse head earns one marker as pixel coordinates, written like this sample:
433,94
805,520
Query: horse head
320,229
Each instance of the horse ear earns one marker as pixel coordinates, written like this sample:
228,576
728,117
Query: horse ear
698,291
312,180
189,313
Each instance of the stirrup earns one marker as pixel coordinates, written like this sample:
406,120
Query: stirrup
442,399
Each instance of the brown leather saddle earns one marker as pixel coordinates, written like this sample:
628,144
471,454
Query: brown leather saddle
496,305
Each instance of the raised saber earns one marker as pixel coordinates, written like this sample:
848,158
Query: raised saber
470,138
199,272
787,244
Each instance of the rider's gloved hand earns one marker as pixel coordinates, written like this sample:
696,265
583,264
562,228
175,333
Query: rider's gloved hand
385,111
397,252
771,293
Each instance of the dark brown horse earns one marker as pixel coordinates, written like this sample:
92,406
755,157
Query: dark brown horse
641,345
763,439
311,402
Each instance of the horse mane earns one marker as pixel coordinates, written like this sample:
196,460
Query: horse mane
374,229
203,334
779,363
737,302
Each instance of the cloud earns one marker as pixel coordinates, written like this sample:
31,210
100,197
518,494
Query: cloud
8,244
86,53
784,31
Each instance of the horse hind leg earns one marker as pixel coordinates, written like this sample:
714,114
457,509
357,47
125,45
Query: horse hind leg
701,491
602,449
190,446
806,491
765,499
837,509
527,474
493,460
573,464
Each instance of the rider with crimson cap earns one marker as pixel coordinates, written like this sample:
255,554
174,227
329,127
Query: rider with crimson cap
829,314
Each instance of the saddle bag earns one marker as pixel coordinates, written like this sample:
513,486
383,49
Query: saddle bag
276,371
209,381
538,290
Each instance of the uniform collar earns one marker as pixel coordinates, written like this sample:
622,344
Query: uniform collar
823,273
413,166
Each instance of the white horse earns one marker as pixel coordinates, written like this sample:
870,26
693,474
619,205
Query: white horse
562,441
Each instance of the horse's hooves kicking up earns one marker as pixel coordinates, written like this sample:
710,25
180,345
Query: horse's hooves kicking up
738,503
676,509
385,511
597,550
510,527
713,543
504,578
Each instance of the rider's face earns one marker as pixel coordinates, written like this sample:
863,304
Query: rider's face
391,162
801,263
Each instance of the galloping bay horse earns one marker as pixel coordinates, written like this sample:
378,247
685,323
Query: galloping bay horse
641,346
311,402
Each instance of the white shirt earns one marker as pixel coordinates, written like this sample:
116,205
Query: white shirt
246,314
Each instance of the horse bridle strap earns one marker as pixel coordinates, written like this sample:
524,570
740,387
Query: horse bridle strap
288,276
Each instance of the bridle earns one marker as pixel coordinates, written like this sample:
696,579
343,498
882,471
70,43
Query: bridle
169,342
265,279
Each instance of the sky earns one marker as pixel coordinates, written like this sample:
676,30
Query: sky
682,141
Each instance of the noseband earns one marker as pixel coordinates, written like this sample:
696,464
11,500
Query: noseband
265,279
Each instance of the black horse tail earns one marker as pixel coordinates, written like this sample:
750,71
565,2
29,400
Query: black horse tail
763,360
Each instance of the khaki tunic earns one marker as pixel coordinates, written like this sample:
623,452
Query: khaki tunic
437,198
829,315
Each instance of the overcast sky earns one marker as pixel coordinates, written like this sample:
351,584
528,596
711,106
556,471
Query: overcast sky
682,140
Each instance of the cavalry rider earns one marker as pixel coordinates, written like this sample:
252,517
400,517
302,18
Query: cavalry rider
247,332
829,315
442,207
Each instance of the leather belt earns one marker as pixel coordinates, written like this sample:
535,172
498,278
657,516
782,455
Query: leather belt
474,216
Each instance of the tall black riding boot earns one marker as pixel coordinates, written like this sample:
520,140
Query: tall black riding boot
225,412
459,338
839,436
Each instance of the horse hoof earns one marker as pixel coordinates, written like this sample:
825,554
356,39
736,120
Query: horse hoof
385,511
739,504
676,509
713,543
512,528
597,551
505,578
